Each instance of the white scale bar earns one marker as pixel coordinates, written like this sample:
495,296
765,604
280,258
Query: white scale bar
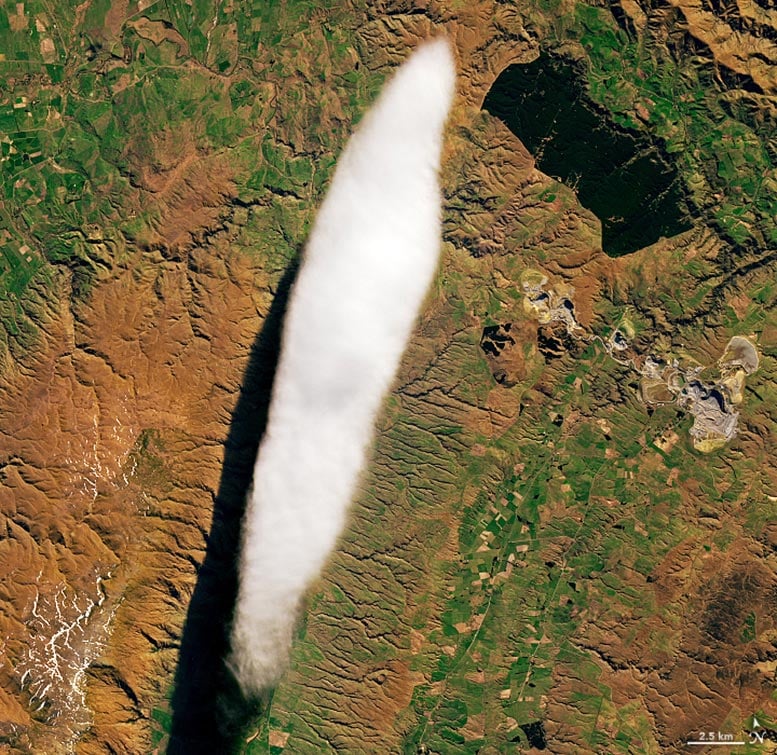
713,744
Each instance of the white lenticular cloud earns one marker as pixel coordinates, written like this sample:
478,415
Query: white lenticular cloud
371,256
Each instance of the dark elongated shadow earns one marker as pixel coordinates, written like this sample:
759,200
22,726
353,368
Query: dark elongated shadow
209,714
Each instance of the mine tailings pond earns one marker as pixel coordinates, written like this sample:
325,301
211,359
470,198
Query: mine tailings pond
624,177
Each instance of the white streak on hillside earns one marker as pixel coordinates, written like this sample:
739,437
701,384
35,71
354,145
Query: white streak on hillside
369,261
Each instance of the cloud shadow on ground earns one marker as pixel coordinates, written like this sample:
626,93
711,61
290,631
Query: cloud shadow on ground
209,713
